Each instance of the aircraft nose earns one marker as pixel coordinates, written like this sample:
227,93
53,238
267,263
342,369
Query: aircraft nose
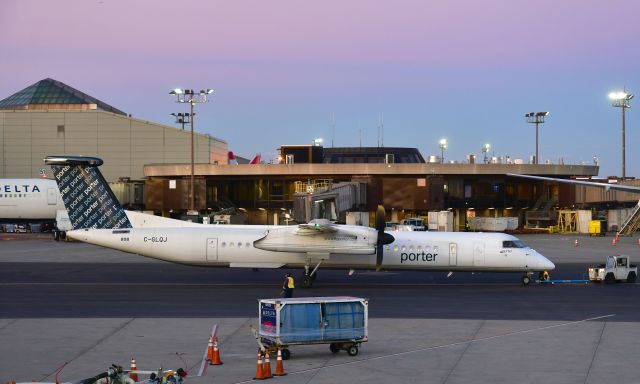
546,264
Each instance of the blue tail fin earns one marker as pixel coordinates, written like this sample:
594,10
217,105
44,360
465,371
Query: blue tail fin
86,194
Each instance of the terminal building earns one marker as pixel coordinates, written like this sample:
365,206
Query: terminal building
148,166
52,118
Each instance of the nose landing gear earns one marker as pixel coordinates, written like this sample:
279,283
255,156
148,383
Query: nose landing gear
526,279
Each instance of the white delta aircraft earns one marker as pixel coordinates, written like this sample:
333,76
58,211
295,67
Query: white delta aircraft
29,200
98,218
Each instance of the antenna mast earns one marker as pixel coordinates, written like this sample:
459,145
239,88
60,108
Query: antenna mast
333,127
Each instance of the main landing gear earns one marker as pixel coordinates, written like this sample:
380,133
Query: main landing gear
309,277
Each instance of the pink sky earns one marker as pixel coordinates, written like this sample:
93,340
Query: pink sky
466,70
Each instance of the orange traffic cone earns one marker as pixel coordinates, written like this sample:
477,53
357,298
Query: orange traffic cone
617,235
613,242
279,367
134,368
216,353
259,370
638,242
210,350
266,368
576,243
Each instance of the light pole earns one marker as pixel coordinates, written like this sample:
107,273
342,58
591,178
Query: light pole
182,118
191,97
485,149
443,146
621,100
536,118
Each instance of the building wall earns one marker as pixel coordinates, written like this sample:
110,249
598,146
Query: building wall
125,144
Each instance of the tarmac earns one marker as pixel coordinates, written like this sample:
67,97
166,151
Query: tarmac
92,307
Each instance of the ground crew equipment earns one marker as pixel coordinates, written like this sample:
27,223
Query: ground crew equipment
259,369
216,353
617,268
341,322
266,367
210,350
133,375
279,365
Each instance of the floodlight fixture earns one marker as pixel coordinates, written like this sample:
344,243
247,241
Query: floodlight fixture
189,96
485,149
621,100
443,146
536,118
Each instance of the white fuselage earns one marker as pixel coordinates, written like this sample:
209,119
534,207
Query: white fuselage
29,199
233,246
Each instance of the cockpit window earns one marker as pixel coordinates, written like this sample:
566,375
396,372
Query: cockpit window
514,244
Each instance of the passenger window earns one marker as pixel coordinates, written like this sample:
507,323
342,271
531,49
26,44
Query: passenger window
419,247
411,248
395,248
224,244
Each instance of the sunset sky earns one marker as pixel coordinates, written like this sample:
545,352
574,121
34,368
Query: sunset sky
465,70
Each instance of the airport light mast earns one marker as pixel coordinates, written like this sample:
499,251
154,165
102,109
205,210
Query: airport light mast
536,118
182,118
485,149
621,100
193,98
443,146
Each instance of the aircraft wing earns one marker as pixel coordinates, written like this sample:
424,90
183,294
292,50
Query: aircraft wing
321,237
607,186
315,227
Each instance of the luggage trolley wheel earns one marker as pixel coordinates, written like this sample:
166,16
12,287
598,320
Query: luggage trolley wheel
334,348
286,354
352,350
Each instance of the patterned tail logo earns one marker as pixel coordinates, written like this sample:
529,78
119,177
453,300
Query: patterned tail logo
88,198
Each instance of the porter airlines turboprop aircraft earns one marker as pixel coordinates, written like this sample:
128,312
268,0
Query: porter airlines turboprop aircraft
98,218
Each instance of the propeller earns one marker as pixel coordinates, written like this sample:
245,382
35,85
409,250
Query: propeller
384,238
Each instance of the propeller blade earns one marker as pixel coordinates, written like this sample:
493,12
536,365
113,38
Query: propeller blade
383,237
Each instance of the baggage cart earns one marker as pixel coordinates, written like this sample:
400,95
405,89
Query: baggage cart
341,322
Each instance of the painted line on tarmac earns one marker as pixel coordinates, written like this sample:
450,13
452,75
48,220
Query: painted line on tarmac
261,284
443,346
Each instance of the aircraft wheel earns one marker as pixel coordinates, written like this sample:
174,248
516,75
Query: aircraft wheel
526,280
307,281
56,235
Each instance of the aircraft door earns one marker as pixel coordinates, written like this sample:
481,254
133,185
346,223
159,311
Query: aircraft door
51,196
453,254
478,254
212,249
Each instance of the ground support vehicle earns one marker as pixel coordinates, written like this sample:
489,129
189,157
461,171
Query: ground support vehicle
341,322
617,268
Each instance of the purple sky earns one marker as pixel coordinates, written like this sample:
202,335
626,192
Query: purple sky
466,70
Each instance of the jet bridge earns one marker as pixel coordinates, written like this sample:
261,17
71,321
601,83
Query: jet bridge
329,203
